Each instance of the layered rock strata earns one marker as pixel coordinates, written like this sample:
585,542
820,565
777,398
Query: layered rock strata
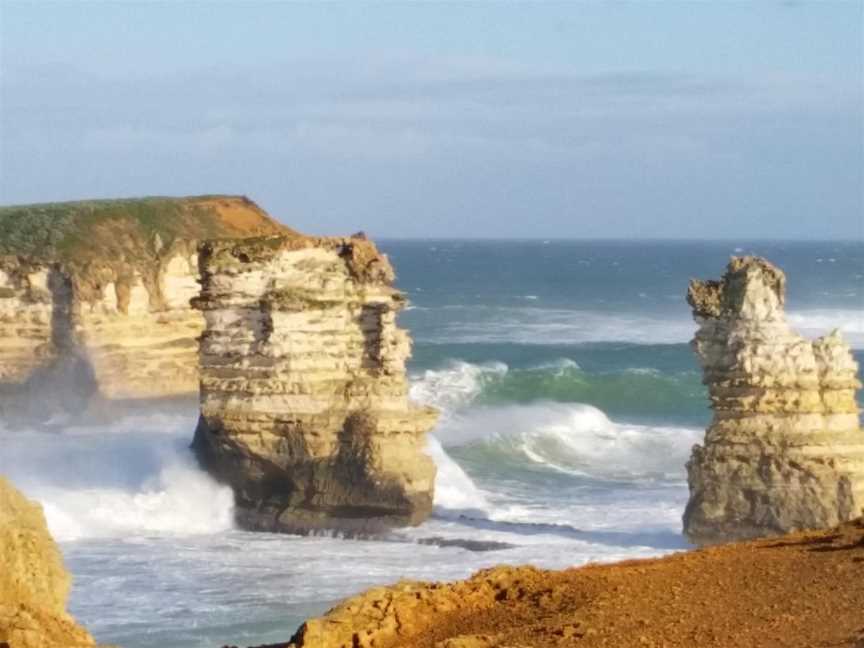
34,585
94,298
304,405
784,450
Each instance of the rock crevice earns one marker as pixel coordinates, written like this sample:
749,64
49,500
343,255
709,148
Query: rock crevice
784,450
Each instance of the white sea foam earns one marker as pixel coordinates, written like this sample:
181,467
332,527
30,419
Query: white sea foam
560,366
817,322
455,492
180,501
133,478
532,325
577,439
453,386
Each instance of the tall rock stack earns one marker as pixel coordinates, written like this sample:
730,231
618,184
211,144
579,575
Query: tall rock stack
304,405
785,450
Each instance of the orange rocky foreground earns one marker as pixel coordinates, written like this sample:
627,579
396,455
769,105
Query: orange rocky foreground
801,590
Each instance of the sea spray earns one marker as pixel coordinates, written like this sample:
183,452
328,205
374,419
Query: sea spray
455,385
455,492
136,477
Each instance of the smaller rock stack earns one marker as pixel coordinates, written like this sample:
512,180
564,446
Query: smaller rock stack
784,450
304,398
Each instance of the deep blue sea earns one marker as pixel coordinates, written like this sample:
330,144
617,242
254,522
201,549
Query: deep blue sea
570,400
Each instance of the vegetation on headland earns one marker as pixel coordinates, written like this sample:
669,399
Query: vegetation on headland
130,227
98,241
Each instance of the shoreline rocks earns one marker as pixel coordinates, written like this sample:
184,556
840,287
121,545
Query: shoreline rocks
304,398
34,584
800,591
785,450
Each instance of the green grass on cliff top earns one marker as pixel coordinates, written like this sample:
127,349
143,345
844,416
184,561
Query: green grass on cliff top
83,230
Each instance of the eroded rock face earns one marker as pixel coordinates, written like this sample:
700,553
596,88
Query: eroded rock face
34,585
784,451
102,315
304,406
394,616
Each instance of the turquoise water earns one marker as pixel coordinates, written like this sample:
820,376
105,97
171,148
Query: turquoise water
570,401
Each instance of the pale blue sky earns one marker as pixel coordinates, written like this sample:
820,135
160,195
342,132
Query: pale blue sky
596,119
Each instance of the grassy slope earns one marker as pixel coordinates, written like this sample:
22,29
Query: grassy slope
125,230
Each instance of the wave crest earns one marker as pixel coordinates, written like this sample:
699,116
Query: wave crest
576,439
634,391
130,479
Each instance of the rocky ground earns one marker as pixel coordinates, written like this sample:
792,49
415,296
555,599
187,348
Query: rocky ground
34,584
801,590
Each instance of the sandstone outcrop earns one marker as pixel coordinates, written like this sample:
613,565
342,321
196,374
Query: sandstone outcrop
784,450
94,298
304,399
801,591
34,585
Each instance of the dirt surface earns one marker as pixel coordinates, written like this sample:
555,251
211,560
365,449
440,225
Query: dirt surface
802,590
242,217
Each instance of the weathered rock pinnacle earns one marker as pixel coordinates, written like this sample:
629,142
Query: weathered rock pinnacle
784,450
304,405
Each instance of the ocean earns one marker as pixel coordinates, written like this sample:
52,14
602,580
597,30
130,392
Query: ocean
570,401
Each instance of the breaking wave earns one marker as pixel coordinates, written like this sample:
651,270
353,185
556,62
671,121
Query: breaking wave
135,478
495,418
642,392
575,439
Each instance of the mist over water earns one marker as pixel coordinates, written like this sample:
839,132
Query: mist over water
570,402
135,477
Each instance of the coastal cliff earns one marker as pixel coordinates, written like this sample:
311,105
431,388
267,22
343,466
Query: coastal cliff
94,298
784,450
799,591
34,585
304,398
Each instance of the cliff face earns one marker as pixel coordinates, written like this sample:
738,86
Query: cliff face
304,406
34,585
784,450
94,298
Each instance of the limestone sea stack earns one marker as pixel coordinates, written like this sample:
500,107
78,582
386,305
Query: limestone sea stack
784,450
304,398
34,585
94,298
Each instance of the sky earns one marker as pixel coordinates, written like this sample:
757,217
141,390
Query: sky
449,120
